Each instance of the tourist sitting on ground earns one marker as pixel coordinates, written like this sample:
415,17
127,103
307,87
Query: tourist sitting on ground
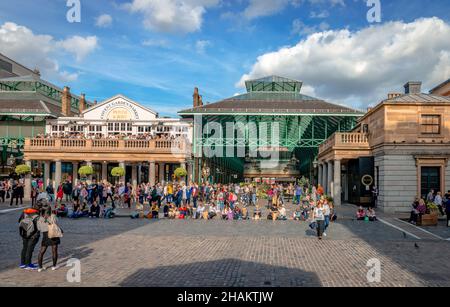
361,214
297,215
94,211
282,211
199,211
139,213
415,214
257,214
245,213
237,213
371,215
273,214
230,214
80,211
109,212
155,211
62,211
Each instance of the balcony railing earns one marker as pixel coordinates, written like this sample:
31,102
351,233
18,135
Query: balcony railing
345,140
106,145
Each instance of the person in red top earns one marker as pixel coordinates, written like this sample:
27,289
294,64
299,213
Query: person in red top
60,193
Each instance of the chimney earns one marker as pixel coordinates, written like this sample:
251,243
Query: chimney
82,103
196,97
394,95
200,101
413,87
66,101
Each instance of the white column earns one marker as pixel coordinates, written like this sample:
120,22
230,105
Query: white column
75,173
46,173
27,183
152,173
330,178
58,174
104,171
134,175
337,183
122,165
162,172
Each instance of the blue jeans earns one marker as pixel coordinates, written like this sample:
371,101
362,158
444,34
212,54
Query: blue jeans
297,199
327,222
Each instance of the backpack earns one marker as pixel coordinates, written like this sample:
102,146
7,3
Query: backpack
28,227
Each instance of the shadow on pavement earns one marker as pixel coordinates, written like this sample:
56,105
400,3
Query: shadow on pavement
222,273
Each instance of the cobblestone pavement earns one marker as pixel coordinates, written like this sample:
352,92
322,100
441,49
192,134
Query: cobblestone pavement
125,252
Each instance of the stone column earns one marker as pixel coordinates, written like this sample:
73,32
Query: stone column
89,163
58,174
74,173
337,183
27,184
320,170
330,178
162,172
46,173
152,173
122,165
134,176
324,177
105,171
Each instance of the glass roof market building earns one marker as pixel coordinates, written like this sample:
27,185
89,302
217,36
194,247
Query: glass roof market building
271,133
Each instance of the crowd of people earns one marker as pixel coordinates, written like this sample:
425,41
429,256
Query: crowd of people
420,206
118,136
13,191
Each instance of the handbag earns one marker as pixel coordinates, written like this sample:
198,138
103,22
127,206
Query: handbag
54,231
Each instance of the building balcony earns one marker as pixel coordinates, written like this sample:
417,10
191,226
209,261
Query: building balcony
347,143
105,149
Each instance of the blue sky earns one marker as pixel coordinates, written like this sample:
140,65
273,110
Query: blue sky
140,52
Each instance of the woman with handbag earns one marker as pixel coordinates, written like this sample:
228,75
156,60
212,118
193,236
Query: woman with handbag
51,236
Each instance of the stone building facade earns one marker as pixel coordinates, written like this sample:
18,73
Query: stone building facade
406,138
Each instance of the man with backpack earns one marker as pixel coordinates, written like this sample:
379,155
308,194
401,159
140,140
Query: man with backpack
30,236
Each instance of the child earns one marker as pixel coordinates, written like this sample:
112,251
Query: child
361,214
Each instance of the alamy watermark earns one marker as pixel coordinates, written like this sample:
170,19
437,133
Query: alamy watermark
74,13
374,13
374,273
74,273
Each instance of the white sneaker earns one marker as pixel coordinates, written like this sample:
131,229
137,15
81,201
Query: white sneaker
54,268
41,270
324,234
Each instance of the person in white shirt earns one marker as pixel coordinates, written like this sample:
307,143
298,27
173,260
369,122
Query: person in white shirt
326,213
319,217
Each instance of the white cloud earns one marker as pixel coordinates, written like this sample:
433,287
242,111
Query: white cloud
80,46
104,21
263,8
300,28
162,43
40,51
360,67
183,16
201,46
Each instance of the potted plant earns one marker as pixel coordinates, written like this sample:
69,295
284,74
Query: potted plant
22,170
431,217
118,172
85,171
180,173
